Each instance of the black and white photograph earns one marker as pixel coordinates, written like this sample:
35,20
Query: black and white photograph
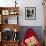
30,13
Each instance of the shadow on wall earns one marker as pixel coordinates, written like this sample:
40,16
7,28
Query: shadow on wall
37,29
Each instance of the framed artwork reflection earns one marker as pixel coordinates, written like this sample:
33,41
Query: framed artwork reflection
30,13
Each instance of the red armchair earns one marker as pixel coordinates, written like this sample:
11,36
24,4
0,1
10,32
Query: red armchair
29,36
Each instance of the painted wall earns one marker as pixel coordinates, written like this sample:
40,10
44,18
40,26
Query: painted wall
26,3
39,13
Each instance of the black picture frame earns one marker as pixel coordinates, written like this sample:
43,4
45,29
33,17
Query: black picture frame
30,13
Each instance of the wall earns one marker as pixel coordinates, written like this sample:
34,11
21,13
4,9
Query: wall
39,13
27,3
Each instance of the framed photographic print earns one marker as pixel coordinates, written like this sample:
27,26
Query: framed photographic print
30,13
5,12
